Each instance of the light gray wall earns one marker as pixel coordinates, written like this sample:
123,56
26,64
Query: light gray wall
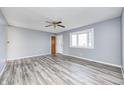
2,19
26,43
3,24
122,40
2,43
107,40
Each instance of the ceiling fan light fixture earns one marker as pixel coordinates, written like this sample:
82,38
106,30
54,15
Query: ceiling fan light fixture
55,24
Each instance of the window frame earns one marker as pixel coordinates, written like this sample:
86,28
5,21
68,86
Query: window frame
81,32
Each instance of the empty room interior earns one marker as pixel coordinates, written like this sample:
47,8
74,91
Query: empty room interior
61,46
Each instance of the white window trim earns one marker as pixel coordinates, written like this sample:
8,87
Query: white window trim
79,32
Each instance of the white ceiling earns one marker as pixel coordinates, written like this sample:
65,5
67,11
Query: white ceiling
34,18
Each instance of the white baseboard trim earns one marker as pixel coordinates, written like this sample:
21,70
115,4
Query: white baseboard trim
101,62
10,59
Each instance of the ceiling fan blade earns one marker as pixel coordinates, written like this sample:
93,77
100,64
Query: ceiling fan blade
48,25
58,22
61,26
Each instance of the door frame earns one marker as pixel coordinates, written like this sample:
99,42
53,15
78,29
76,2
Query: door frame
50,42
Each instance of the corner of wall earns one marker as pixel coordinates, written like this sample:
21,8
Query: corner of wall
122,40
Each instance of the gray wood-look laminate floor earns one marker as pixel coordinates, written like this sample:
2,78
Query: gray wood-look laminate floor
59,70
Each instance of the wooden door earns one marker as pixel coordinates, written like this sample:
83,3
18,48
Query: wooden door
53,45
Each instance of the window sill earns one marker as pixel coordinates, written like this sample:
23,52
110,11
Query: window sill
82,47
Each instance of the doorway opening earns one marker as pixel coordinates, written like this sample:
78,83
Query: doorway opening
60,44
53,45
56,44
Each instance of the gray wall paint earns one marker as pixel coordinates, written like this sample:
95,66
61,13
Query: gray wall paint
2,19
122,40
3,24
107,40
25,43
2,43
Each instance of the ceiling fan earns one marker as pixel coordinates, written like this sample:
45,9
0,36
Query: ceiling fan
55,24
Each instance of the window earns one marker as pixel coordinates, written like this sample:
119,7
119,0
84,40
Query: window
74,39
82,39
